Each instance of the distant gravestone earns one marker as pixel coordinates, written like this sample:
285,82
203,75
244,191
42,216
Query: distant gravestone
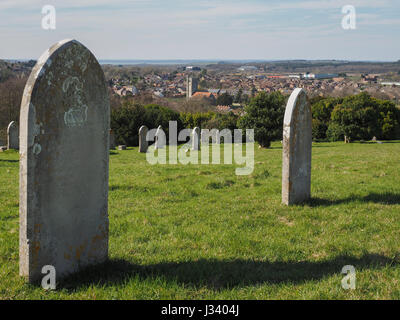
13,136
64,152
196,139
143,144
160,138
206,134
122,147
112,140
297,143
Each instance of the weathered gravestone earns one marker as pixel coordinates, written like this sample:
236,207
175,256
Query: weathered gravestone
214,134
13,136
64,150
143,144
196,139
160,138
297,142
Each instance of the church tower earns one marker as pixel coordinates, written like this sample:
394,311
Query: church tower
191,86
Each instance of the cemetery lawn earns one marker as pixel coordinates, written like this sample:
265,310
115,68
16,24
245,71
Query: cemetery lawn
201,232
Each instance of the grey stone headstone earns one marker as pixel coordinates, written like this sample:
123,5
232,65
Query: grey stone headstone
297,143
214,134
122,147
13,136
204,138
64,152
196,139
112,140
160,138
143,143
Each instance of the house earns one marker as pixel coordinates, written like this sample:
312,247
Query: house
204,95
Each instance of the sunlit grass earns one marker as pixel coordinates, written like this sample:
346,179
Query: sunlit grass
200,231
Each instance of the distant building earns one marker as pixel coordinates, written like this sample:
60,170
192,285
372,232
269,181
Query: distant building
392,84
158,94
223,109
191,86
192,68
319,75
204,95
247,68
370,77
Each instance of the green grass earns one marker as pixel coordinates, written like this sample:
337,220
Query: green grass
201,232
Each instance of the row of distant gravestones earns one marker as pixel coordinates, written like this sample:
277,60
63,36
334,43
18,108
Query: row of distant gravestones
64,160
197,138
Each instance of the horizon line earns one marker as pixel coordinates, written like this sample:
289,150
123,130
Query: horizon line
215,60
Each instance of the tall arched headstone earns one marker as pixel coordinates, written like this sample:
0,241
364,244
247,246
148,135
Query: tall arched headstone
196,139
13,136
143,144
297,143
64,150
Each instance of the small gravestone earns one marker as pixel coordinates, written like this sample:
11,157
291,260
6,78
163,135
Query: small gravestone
13,136
143,144
206,134
64,152
160,138
374,139
297,143
196,139
112,140
122,147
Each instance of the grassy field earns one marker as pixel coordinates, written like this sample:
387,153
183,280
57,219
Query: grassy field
201,232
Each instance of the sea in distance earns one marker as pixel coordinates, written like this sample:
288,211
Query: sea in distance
171,62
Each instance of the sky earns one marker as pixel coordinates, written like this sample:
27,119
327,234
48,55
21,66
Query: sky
215,30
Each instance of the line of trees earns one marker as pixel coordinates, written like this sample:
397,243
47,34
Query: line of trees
359,117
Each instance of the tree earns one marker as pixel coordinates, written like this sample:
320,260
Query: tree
264,114
238,97
321,114
225,99
361,117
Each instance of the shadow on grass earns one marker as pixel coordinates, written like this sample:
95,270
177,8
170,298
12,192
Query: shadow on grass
1,160
382,198
220,274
